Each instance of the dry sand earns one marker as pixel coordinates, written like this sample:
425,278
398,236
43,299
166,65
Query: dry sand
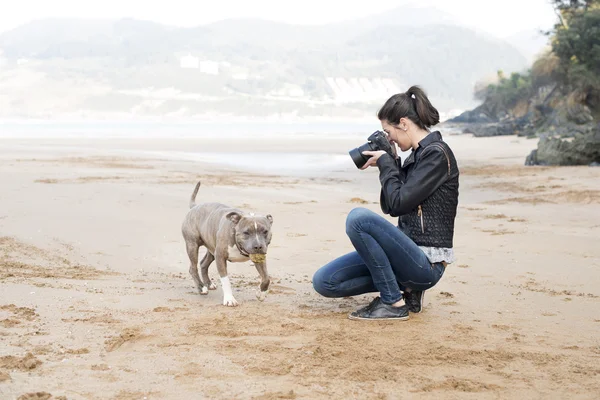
97,302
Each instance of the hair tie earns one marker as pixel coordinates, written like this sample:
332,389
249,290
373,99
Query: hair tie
412,96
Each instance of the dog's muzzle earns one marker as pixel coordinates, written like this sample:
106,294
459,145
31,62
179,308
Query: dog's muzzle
242,251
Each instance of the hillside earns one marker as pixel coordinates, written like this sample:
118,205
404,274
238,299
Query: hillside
241,67
557,99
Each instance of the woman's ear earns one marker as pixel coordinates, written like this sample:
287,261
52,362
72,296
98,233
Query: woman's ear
402,124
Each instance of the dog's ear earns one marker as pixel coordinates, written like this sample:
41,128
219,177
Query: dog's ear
234,216
269,218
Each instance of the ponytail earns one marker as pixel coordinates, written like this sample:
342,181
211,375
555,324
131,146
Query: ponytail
414,105
426,112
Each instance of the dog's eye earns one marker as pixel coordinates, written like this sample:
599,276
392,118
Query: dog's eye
246,233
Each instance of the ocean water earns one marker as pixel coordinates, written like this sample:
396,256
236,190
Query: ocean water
292,163
157,129
160,129
268,162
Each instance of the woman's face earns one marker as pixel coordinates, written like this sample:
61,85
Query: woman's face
396,134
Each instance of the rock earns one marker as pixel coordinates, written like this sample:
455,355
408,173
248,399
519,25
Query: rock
499,129
477,115
583,149
531,158
503,128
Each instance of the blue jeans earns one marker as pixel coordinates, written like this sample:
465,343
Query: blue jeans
385,261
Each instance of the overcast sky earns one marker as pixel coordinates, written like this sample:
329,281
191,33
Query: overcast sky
500,18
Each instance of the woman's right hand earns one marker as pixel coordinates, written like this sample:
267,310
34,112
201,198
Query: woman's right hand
374,157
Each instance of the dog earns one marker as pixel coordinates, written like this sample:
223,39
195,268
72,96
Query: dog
229,235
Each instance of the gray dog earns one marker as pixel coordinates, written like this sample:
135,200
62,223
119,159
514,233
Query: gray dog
228,234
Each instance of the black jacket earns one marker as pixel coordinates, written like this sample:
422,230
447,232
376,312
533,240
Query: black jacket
423,192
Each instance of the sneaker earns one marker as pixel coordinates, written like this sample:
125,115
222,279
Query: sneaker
380,311
372,304
414,300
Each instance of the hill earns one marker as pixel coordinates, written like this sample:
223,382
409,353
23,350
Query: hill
242,67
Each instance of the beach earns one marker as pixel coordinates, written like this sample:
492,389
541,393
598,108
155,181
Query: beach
97,301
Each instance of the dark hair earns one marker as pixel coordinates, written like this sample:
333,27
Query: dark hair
403,105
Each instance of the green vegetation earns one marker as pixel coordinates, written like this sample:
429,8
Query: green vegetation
507,92
557,98
576,44
570,68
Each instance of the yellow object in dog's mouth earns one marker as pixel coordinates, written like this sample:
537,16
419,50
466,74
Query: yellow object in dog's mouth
258,258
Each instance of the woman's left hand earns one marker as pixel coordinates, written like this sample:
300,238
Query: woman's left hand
374,157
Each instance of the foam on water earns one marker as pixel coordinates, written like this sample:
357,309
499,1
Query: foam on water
278,162
263,162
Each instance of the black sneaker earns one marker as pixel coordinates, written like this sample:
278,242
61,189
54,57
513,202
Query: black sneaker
380,311
414,300
372,304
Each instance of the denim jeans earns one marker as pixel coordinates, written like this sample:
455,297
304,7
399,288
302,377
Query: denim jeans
385,261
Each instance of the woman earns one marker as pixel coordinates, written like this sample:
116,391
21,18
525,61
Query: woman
400,262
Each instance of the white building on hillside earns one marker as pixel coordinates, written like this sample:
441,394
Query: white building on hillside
209,67
189,61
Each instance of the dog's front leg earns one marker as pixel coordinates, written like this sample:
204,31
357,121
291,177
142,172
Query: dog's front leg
228,299
265,282
204,264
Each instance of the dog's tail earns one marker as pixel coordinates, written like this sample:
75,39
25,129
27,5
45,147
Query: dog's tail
194,194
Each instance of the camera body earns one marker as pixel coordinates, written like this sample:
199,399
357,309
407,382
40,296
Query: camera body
376,141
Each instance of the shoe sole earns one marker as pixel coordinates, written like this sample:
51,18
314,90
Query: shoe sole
378,319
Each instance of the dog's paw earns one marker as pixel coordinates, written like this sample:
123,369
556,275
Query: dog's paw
230,301
260,295
212,286
204,290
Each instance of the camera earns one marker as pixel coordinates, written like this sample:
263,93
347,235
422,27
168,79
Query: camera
377,141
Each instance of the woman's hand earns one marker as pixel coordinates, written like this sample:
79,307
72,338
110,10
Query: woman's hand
374,157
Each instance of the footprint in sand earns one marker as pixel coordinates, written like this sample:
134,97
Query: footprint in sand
26,363
516,337
291,234
40,396
498,232
128,335
501,327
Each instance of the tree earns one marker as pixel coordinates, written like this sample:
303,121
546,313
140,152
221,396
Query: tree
573,65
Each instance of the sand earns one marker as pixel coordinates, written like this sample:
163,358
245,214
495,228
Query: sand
97,302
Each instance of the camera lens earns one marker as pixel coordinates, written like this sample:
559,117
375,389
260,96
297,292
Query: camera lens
358,158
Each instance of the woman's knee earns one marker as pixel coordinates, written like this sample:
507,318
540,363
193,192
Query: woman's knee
322,284
356,217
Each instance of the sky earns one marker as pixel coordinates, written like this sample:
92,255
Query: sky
499,18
